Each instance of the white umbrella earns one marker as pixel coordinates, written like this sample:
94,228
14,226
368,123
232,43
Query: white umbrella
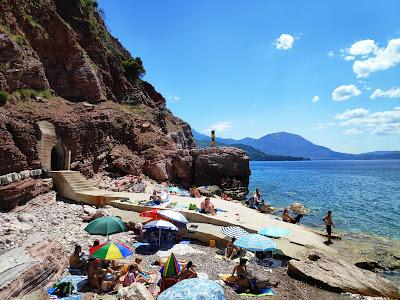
160,224
173,215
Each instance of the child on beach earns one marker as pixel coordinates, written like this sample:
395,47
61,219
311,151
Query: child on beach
231,251
329,223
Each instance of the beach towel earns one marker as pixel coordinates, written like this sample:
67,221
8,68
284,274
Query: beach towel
227,278
263,292
77,282
220,210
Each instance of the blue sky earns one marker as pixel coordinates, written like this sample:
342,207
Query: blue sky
249,68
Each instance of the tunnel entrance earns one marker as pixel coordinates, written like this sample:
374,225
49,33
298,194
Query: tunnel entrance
57,158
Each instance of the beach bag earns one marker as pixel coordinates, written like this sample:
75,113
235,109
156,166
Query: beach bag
192,206
63,289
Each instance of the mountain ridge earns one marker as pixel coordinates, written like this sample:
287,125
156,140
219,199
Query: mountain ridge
294,145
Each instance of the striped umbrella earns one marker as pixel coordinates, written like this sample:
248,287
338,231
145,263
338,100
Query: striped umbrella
234,231
171,267
110,251
255,242
274,232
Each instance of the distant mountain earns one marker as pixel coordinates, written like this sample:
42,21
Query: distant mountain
288,144
251,152
203,141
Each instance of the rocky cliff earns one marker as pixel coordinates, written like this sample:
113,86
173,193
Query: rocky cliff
59,63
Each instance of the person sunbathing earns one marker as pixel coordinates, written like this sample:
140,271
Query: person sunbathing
194,192
187,272
76,261
253,284
241,268
94,273
207,207
231,251
289,219
107,283
129,276
156,198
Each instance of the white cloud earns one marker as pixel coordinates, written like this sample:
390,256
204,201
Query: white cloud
173,98
331,54
344,92
321,126
353,131
349,57
378,123
354,113
290,107
254,104
383,59
391,93
315,99
253,122
284,41
363,47
219,127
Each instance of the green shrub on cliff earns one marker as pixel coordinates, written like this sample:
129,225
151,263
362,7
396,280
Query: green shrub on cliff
30,93
4,96
133,68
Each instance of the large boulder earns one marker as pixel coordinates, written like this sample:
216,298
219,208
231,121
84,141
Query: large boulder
19,192
30,267
209,191
336,275
125,161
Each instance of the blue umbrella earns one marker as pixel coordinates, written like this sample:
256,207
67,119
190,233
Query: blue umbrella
195,288
274,232
255,242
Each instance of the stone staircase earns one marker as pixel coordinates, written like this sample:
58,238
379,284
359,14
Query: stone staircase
73,185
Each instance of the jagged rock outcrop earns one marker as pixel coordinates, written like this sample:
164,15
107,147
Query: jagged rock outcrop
334,274
105,117
19,192
33,266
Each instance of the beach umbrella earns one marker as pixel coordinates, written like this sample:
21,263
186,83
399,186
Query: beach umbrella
195,288
152,213
171,267
274,232
234,231
110,251
160,225
106,226
173,215
255,242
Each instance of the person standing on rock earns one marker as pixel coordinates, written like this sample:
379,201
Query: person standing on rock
329,223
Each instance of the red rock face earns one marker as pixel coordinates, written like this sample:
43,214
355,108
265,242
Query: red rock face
64,46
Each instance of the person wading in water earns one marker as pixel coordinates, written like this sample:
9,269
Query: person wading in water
329,223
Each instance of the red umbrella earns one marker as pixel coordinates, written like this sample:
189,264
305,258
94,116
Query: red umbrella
152,213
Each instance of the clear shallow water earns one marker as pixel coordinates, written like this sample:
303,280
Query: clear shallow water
364,196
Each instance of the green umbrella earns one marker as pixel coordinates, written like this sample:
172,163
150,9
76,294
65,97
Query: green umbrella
106,226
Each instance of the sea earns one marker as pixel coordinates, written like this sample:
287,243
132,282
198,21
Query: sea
364,196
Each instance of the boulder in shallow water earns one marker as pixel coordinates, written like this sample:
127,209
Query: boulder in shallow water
209,191
336,275
299,208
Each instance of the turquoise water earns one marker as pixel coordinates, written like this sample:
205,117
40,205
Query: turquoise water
364,196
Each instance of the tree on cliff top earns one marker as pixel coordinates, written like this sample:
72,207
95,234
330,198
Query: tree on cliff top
133,68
